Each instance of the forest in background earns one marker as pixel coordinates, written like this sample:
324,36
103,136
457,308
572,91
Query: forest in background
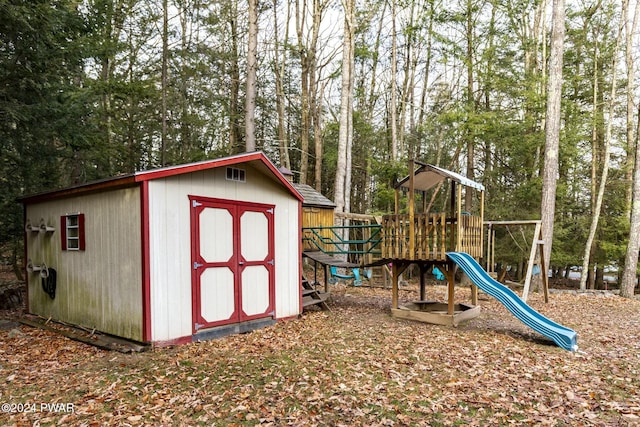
96,88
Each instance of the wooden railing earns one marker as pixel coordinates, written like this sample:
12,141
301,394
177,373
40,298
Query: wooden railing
470,240
435,234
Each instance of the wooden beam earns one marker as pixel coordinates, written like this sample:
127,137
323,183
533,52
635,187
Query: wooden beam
481,222
514,222
532,256
394,286
452,215
451,283
412,234
458,217
474,294
423,272
396,270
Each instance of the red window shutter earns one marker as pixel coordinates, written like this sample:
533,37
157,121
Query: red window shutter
81,231
63,232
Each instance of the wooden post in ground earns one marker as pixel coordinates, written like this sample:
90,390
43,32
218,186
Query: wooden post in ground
537,242
397,269
474,294
412,233
451,283
423,272
394,286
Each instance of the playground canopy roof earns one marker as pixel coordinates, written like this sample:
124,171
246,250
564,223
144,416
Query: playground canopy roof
427,176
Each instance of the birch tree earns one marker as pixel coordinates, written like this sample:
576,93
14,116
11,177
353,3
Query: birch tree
345,134
629,275
607,155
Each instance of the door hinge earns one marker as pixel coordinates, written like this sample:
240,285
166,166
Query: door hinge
198,326
270,210
271,262
195,203
196,265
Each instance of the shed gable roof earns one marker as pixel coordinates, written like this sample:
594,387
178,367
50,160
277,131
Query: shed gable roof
256,159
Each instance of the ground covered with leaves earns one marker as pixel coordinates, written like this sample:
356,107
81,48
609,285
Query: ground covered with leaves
353,366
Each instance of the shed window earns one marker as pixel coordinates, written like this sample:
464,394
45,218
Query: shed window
235,174
72,235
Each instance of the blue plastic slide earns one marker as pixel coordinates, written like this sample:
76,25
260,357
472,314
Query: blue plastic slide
564,337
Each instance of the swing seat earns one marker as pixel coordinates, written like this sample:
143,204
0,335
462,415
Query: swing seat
438,274
357,280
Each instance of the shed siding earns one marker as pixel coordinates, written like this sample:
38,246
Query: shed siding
100,287
170,243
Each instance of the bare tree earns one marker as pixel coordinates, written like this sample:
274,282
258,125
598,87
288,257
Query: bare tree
629,275
628,282
345,136
631,27
552,130
595,218
393,102
252,65
279,72
163,81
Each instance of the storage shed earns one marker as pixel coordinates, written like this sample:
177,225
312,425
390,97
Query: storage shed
169,255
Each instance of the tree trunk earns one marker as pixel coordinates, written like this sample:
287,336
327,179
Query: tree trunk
318,141
605,162
279,71
393,108
234,81
630,123
552,131
345,132
252,65
628,282
346,103
425,78
471,107
164,83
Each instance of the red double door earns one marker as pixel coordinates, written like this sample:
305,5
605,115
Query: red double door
232,252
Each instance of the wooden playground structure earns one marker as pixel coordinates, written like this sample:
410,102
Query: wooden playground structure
424,238
419,236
